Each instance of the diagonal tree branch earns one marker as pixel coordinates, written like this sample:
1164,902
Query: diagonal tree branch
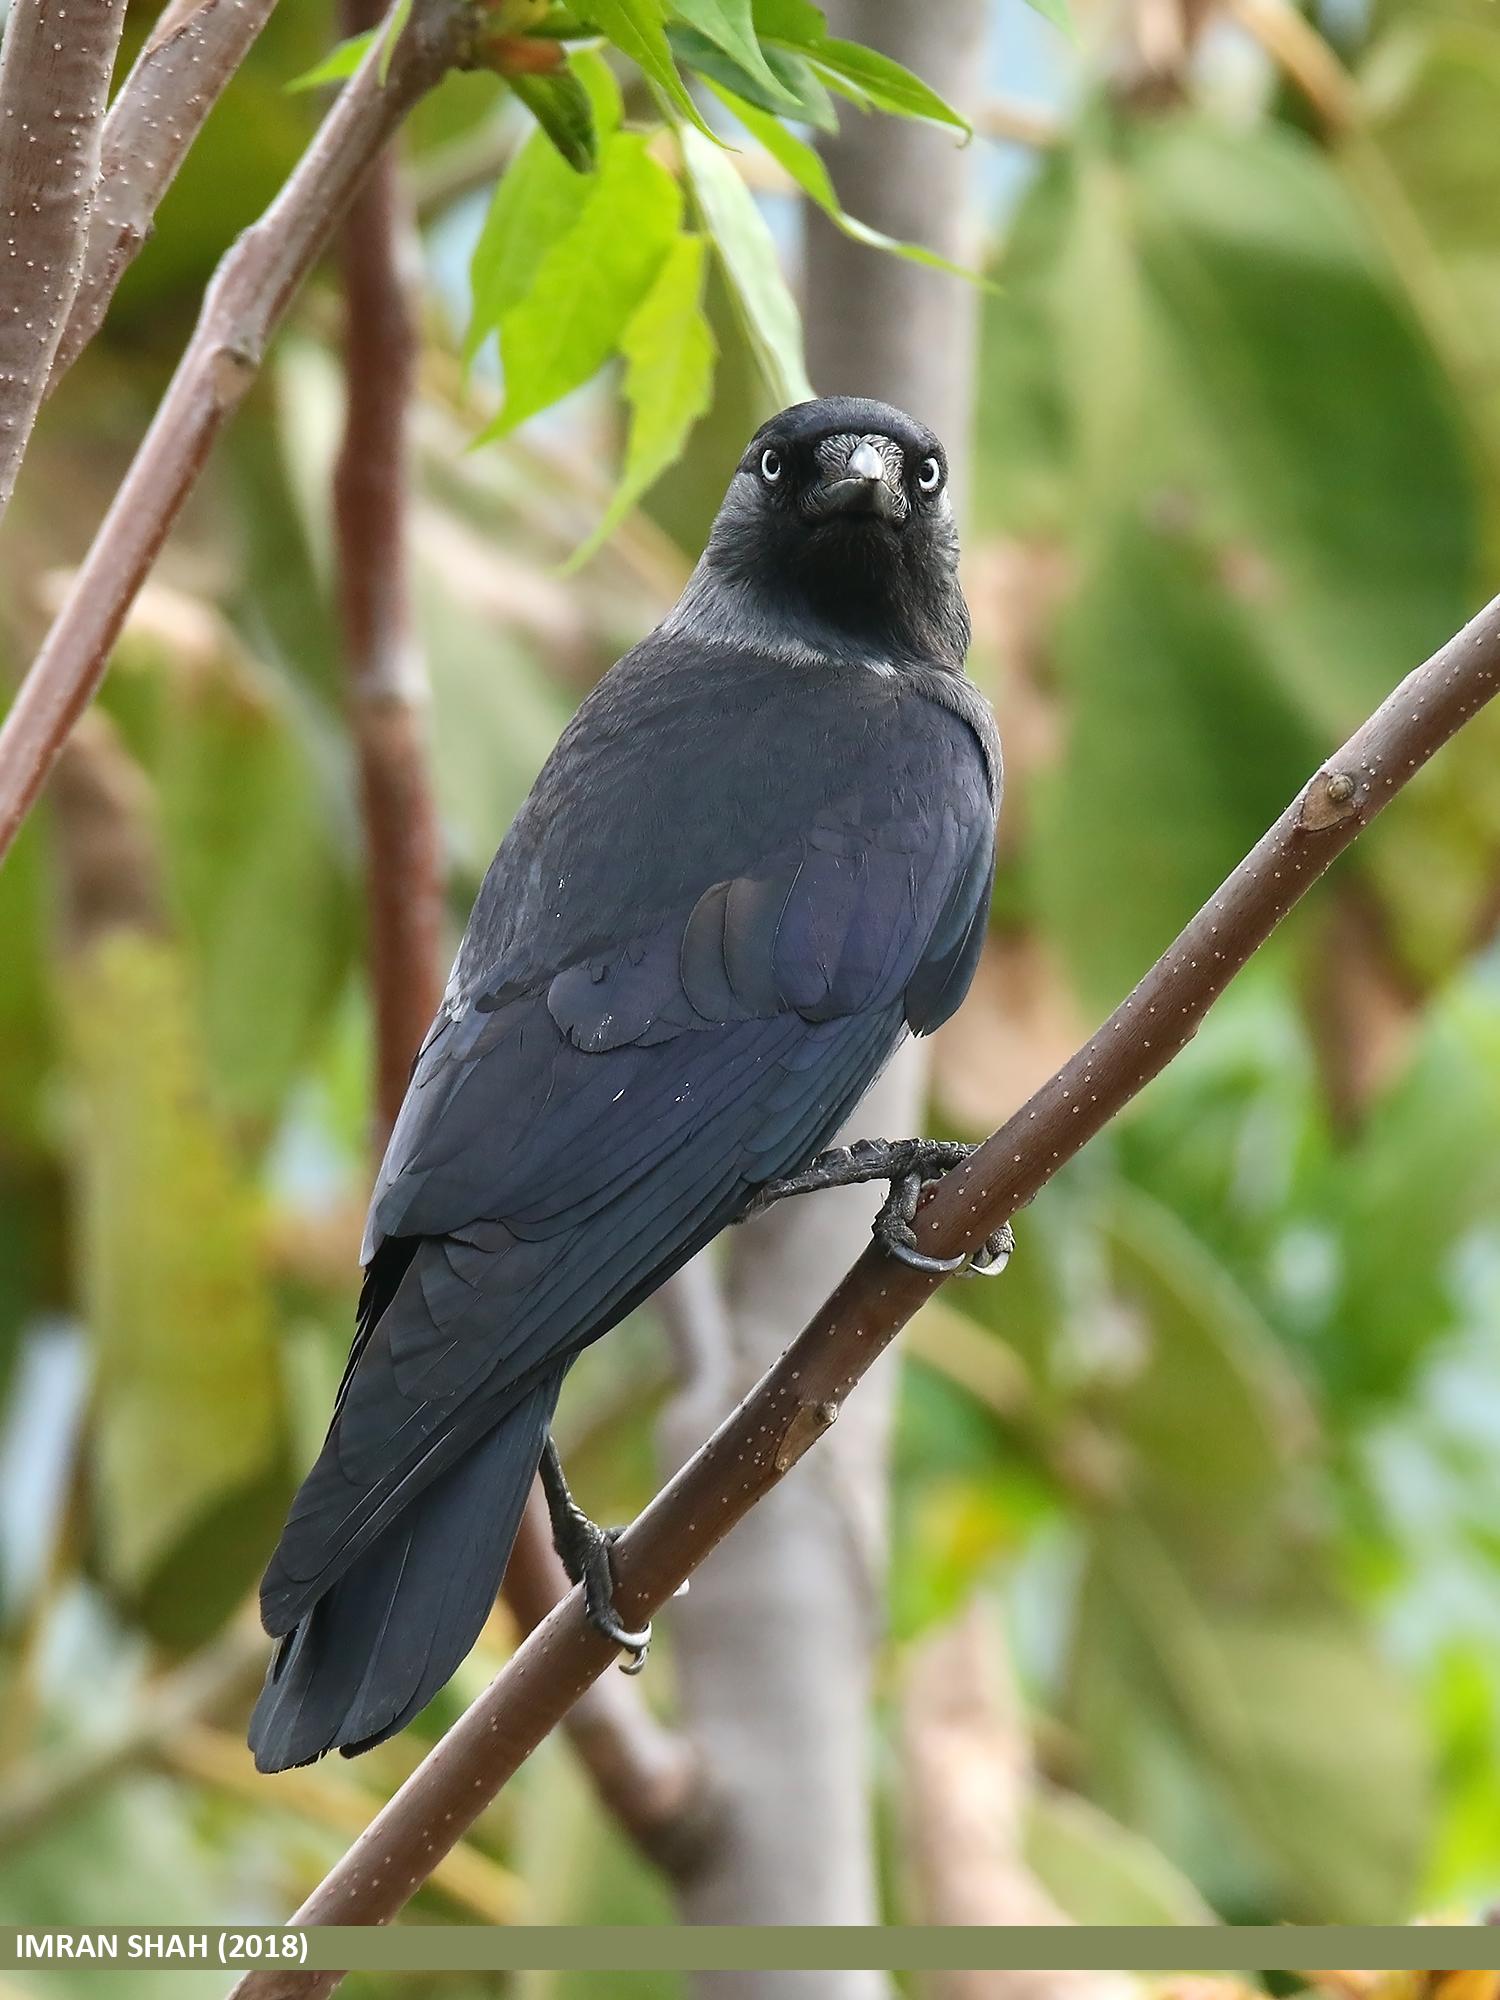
251,290
193,51
54,85
800,1397
647,1775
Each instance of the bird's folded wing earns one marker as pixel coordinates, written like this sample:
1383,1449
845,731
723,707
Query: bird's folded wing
482,1311
564,1148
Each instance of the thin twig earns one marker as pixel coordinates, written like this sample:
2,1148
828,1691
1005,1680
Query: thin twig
159,110
251,290
54,85
800,1397
385,674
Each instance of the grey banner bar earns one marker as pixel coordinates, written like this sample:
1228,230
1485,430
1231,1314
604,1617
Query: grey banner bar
629,1948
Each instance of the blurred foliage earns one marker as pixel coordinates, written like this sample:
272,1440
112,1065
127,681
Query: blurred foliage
1234,447
1224,1439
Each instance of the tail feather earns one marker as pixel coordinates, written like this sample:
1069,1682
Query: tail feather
379,1644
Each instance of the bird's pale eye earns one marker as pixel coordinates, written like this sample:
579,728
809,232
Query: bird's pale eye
770,467
930,476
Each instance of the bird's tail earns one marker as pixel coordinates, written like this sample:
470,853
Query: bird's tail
378,1645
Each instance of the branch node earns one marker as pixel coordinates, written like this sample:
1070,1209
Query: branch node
809,1421
1332,796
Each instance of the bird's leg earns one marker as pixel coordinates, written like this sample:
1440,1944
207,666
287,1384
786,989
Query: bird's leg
584,1548
909,1165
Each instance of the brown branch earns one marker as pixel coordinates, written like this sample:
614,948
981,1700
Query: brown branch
193,51
214,1757
54,85
386,677
251,289
647,1775
800,1397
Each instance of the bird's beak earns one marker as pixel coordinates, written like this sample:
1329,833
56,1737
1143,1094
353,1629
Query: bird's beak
862,481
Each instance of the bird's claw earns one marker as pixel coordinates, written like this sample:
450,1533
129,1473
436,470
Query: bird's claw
910,1165
993,1254
893,1227
584,1548
600,1609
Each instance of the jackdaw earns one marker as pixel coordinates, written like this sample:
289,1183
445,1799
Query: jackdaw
761,852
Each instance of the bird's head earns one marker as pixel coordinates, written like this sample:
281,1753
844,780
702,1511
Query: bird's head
839,527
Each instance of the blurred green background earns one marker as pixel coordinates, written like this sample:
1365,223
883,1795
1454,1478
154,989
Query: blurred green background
1225,1442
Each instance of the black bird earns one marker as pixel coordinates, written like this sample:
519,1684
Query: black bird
760,853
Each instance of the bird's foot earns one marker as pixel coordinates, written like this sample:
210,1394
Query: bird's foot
910,1165
584,1548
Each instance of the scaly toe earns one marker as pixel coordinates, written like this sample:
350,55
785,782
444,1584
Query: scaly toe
992,1256
899,1240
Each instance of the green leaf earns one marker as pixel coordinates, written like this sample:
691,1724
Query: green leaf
1101,1872
599,80
799,80
798,94
871,78
1423,1173
669,350
254,849
339,63
807,169
1058,13
638,29
1271,1737
560,24
747,255
797,22
562,107
1202,324
538,200
589,282
187,1404
727,24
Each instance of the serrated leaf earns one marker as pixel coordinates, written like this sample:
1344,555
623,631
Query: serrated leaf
638,29
871,78
727,24
811,175
562,107
589,282
747,255
539,199
337,64
669,351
